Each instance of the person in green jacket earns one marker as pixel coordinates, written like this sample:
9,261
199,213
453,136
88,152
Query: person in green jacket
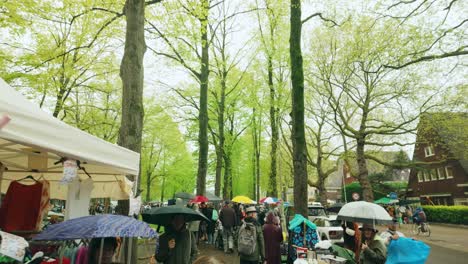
373,249
258,254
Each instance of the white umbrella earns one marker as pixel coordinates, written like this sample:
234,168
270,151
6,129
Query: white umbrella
364,212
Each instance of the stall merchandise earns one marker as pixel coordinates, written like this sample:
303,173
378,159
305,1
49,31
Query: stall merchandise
35,143
302,233
12,246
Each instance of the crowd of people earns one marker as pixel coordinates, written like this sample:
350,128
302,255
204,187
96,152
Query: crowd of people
233,228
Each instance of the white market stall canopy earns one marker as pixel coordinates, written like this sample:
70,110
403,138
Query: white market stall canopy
34,143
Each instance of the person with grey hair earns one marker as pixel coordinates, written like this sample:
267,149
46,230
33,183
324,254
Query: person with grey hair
251,244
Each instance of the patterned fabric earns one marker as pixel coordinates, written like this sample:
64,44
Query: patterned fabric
296,238
13,246
44,206
97,226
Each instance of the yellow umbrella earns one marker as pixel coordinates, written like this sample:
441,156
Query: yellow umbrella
242,199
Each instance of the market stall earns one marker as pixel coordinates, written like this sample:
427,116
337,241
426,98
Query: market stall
37,149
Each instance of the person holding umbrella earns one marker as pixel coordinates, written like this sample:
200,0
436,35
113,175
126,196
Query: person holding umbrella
175,245
373,249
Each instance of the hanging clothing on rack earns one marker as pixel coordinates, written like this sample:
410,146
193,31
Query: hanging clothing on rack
21,207
82,256
79,196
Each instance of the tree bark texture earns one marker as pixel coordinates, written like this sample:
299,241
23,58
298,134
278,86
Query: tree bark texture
273,183
163,188
227,188
132,73
367,193
221,136
254,156
298,129
256,138
219,170
203,114
148,187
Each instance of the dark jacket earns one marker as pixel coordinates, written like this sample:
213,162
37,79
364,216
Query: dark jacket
273,237
184,251
210,225
259,253
228,217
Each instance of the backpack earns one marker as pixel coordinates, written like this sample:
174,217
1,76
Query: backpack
214,216
247,239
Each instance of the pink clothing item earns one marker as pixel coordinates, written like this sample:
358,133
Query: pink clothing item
82,256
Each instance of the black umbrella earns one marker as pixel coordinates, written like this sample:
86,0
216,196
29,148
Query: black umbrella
163,215
335,208
184,195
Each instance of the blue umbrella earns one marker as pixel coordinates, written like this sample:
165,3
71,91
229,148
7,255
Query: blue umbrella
97,226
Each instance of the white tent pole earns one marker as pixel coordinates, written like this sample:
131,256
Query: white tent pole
129,259
2,169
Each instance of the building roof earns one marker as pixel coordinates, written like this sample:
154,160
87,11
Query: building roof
452,129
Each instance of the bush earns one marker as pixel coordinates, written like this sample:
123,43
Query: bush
447,214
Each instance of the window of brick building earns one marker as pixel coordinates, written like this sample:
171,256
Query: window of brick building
441,173
449,172
420,176
429,151
433,175
426,176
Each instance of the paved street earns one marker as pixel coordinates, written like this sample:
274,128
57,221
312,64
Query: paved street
449,245
446,256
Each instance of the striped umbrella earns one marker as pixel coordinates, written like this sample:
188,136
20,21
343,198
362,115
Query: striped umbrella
97,226
269,200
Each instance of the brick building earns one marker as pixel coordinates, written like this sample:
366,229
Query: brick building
441,175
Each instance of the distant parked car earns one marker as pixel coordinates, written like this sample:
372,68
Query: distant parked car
329,229
315,210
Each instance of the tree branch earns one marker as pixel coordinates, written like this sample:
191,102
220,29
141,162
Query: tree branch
319,14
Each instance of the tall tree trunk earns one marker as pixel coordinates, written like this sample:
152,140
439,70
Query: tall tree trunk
222,140
219,170
227,188
131,73
273,183
298,129
322,190
254,156
367,193
163,187
59,104
203,114
257,144
148,187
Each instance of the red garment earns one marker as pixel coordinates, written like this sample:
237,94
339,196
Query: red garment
20,207
273,236
64,261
